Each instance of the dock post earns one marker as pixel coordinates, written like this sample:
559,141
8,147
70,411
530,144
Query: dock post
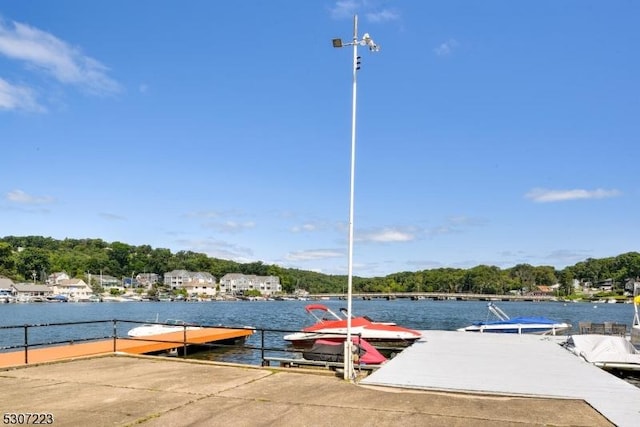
184,341
264,362
115,335
26,344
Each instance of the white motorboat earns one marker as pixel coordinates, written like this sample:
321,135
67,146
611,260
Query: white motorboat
329,325
516,325
609,352
156,328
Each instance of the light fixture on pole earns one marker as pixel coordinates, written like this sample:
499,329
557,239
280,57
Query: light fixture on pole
349,373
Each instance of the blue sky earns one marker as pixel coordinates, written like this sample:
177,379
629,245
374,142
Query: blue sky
492,132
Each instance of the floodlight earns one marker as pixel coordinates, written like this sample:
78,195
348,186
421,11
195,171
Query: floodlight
337,42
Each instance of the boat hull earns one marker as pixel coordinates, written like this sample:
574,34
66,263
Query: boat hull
331,350
539,329
305,341
379,338
157,329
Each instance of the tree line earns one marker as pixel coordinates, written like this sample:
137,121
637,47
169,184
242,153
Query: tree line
33,258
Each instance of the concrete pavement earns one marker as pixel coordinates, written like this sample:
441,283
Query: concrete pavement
119,390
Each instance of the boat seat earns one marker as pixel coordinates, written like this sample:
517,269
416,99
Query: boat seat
597,328
608,328
584,327
619,329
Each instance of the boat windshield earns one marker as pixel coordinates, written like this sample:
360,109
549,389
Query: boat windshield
497,311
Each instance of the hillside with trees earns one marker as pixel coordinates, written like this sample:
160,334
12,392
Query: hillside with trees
33,258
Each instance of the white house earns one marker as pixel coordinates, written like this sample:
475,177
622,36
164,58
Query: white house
57,277
232,283
147,280
176,278
27,292
236,283
195,283
73,289
194,289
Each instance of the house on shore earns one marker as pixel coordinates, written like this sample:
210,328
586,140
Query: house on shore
73,289
27,292
238,283
194,283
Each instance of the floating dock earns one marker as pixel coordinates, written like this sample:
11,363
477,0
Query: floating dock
508,365
140,345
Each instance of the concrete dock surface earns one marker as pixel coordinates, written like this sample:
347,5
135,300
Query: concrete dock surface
122,390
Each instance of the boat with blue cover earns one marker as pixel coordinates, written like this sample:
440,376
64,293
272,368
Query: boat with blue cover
517,325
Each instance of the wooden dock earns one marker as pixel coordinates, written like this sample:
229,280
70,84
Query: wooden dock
140,345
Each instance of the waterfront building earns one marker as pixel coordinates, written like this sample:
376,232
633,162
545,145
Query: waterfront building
147,280
195,283
238,283
27,292
5,284
55,278
73,289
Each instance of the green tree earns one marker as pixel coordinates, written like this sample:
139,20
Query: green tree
483,279
525,276
566,279
32,261
7,261
545,276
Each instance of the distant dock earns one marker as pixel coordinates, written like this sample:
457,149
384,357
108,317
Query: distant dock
142,345
437,296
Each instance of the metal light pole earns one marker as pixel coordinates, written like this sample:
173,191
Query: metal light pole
349,373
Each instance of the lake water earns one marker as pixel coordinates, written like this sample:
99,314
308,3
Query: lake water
275,315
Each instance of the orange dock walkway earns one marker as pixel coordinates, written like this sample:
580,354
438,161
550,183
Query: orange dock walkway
141,345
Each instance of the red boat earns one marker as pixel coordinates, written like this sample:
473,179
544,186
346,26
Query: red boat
331,350
329,325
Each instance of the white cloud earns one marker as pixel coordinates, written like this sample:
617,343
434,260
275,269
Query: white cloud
313,255
454,224
446,48
45,52
383,16
440,230
231,226
304,227
14,97
218,249
111,217
203,214
344,8
542,195
464,220
19,196
216,214
317,225
347,8
566,257
386,235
